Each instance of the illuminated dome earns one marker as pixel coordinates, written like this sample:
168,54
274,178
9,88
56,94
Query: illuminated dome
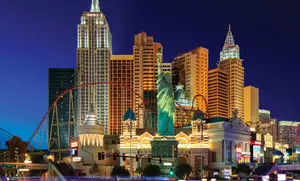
91,118
91,132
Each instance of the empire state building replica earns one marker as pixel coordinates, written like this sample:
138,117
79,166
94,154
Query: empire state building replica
93,53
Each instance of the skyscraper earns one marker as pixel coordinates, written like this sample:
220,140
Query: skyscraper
166,67
289,133
145,72
264,114
218,93
251,105
121,99
61,124
191,70
93,54
231,63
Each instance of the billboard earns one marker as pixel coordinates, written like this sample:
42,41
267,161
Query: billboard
256,153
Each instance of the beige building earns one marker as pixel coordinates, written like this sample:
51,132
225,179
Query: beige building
139,144
225,143
229,144
218,93
251,105
145,71
93,53
231,63
120,98
190,69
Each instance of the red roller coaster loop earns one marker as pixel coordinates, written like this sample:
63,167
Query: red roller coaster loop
81,86
147,103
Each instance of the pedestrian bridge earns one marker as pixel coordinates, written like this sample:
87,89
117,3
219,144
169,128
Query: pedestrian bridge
288,167
30,166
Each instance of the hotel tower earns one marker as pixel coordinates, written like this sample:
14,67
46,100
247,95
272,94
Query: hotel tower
93,53
231,63
145,72
190,69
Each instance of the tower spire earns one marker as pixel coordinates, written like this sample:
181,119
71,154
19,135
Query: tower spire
95,6
229,41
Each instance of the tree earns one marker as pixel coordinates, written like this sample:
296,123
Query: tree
2,172
152,171
94,169
139,171
120,171
241,169
183,171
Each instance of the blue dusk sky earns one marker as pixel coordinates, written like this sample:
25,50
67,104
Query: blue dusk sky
39,34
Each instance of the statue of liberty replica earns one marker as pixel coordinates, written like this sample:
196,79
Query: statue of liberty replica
164,144
165,101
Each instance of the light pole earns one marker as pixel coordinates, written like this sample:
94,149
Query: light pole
131,165
92,162
203,116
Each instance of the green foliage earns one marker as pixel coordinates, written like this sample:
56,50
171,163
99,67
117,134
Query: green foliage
152,171
183,171
120,171
241,169
139,171
2,172
94,169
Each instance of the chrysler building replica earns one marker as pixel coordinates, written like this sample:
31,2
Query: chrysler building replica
93,53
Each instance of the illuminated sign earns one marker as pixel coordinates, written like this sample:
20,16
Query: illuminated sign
281,177
74,151
76,159
74,144
256,153
167,164
255,143
298,150
266,178
24,169
238,156
238,150
227,173
258,137
268,141
246,153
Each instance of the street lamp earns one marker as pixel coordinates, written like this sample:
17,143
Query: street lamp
198,114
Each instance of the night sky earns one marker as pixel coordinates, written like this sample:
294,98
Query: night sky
38,34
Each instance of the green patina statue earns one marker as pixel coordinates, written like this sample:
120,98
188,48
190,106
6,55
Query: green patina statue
165,101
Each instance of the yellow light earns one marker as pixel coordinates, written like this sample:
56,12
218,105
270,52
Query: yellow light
27,161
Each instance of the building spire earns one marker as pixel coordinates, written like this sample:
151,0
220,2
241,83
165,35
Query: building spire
95,6
229,42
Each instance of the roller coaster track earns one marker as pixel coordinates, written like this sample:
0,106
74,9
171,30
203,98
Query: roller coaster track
146,103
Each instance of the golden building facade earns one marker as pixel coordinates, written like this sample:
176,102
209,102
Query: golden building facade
191,70
120,99
251,105
182,116
145,71
217,93
231,63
